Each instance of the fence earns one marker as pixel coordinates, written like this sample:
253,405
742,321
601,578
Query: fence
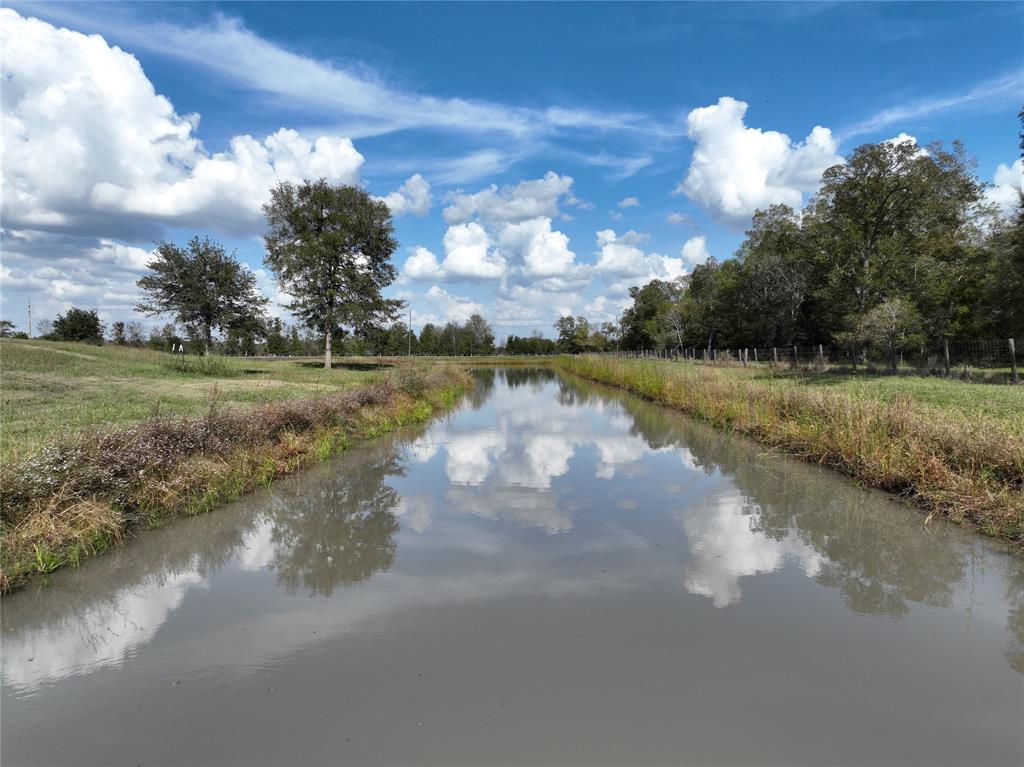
986,359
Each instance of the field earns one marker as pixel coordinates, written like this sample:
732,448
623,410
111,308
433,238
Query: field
49,387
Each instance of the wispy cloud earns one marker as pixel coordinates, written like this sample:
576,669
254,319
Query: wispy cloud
1006,88
362,103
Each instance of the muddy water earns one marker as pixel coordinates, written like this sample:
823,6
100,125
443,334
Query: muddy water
555,574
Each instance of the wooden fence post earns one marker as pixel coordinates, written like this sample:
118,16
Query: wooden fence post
755,355
795,361
945,354
775,356
1013,362
821,355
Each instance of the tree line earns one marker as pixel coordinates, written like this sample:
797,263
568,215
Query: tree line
898,246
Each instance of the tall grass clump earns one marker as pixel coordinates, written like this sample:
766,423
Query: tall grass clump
81,493
967,470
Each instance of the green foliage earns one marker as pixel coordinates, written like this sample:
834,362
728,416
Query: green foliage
78,325
896,222
202,286
330,248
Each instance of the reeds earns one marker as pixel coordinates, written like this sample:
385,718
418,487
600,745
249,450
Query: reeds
79,494
966,470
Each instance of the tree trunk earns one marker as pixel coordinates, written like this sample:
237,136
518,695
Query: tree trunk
208,339
327,351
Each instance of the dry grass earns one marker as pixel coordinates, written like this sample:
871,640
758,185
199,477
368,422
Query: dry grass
965,469
81,493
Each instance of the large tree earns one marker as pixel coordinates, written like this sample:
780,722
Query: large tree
78,325
330,248
204,287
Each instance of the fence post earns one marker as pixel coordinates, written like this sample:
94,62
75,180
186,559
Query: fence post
1013,362
821,355
775,356
755,355
945,354
795,361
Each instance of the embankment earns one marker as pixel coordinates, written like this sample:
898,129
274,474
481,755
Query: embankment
969,471
81,494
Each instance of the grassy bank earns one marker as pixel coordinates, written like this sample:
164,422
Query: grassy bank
951,448
85,489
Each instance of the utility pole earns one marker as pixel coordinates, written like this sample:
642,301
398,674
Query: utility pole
410,331
30,318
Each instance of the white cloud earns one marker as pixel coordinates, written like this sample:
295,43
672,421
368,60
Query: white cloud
620,256
1007,186
444,307
99,151
544,253
411,197
1006,88
677,219
629,202
527,199
468,254
736,170
695,251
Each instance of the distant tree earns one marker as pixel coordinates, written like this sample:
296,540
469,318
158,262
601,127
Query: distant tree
44,329
78,325
202,286
573,334
430,339
117,334
277,341
330,248
135,334
6,328
480,334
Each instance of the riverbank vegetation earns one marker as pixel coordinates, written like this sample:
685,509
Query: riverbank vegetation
85,490
949,448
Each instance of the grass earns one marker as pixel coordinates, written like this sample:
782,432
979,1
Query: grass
49,388
172,437
949,447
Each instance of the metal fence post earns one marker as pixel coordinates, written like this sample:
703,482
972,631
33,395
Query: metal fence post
1013,362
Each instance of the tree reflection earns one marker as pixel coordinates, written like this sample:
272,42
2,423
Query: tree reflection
341,528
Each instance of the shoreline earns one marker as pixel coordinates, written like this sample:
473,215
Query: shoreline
954,468
81,496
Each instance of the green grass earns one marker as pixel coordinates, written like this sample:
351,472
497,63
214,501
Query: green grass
48,388
999,404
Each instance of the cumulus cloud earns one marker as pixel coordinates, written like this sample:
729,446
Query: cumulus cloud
544,252
100,152
621,256
411,197
1007,186
629,202
527,199
695,251
468,256
736,169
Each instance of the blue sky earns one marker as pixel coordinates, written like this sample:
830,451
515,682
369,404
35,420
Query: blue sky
623,141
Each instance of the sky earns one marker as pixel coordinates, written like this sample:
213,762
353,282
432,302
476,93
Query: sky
539,159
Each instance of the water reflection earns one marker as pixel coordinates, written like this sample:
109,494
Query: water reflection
538,485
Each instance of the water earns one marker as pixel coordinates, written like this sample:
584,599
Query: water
555,574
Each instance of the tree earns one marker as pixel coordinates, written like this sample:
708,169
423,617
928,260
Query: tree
202,286
134,333
480,334
330,248
78,325
6,328
573,334
893,325
118,334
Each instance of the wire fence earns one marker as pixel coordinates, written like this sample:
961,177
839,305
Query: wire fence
993,360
